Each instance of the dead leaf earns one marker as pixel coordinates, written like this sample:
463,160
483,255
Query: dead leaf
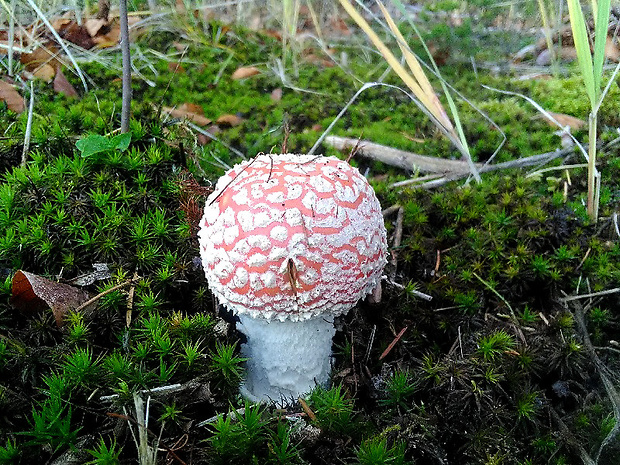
45,72
93,26
76,34
318,60
11,97
61,85
245,72
611,50
203,139
32,293
563,53
176,67
566,120
229,120
111,37
40,56
192,108
183,112
60,23
276,94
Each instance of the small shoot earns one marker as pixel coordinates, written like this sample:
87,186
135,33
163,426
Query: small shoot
591,66
399,389
104,454
333,409
376,451
226,365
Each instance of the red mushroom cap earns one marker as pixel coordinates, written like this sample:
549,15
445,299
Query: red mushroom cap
292,236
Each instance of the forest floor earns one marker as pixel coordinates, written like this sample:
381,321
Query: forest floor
496,339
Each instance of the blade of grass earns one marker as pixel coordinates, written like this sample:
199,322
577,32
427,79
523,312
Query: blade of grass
453,110
392,61
582,46
410,58
600,40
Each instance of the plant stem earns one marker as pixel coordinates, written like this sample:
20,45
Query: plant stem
592,204
126,106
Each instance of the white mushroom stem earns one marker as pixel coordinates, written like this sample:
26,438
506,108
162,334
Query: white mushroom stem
285,358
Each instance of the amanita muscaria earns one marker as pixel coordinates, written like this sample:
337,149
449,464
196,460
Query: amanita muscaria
289,242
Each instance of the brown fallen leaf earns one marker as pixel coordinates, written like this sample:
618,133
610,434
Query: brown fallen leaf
229,121
32,293
60,23
611,50
203,139
566,120
245,72
45,72
183,112
111,37
40,56
76,34
318,60
94,26
276,94
273,33
11,97
192,108
176,67
62,86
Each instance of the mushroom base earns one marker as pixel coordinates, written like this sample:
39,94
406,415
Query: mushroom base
285,358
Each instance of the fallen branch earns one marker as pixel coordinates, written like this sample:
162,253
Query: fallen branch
443,170
400,158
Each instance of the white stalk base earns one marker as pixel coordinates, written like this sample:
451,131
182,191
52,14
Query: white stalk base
286,359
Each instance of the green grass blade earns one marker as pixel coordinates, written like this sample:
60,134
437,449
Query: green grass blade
582,45
600,40
464,146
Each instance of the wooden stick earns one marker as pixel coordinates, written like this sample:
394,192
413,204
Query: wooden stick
400,158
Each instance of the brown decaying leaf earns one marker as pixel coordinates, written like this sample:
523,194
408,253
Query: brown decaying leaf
72,32
61,85
111,37
229,120
94,26
566,120
176,68
184,111
245,72
276,94
32,293
611,50
11,97
40,56
45,73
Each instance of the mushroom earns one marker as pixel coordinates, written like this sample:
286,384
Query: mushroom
288,242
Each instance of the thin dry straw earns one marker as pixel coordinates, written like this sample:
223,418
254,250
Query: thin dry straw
28,125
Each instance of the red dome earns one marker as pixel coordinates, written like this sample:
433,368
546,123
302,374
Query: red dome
292,236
